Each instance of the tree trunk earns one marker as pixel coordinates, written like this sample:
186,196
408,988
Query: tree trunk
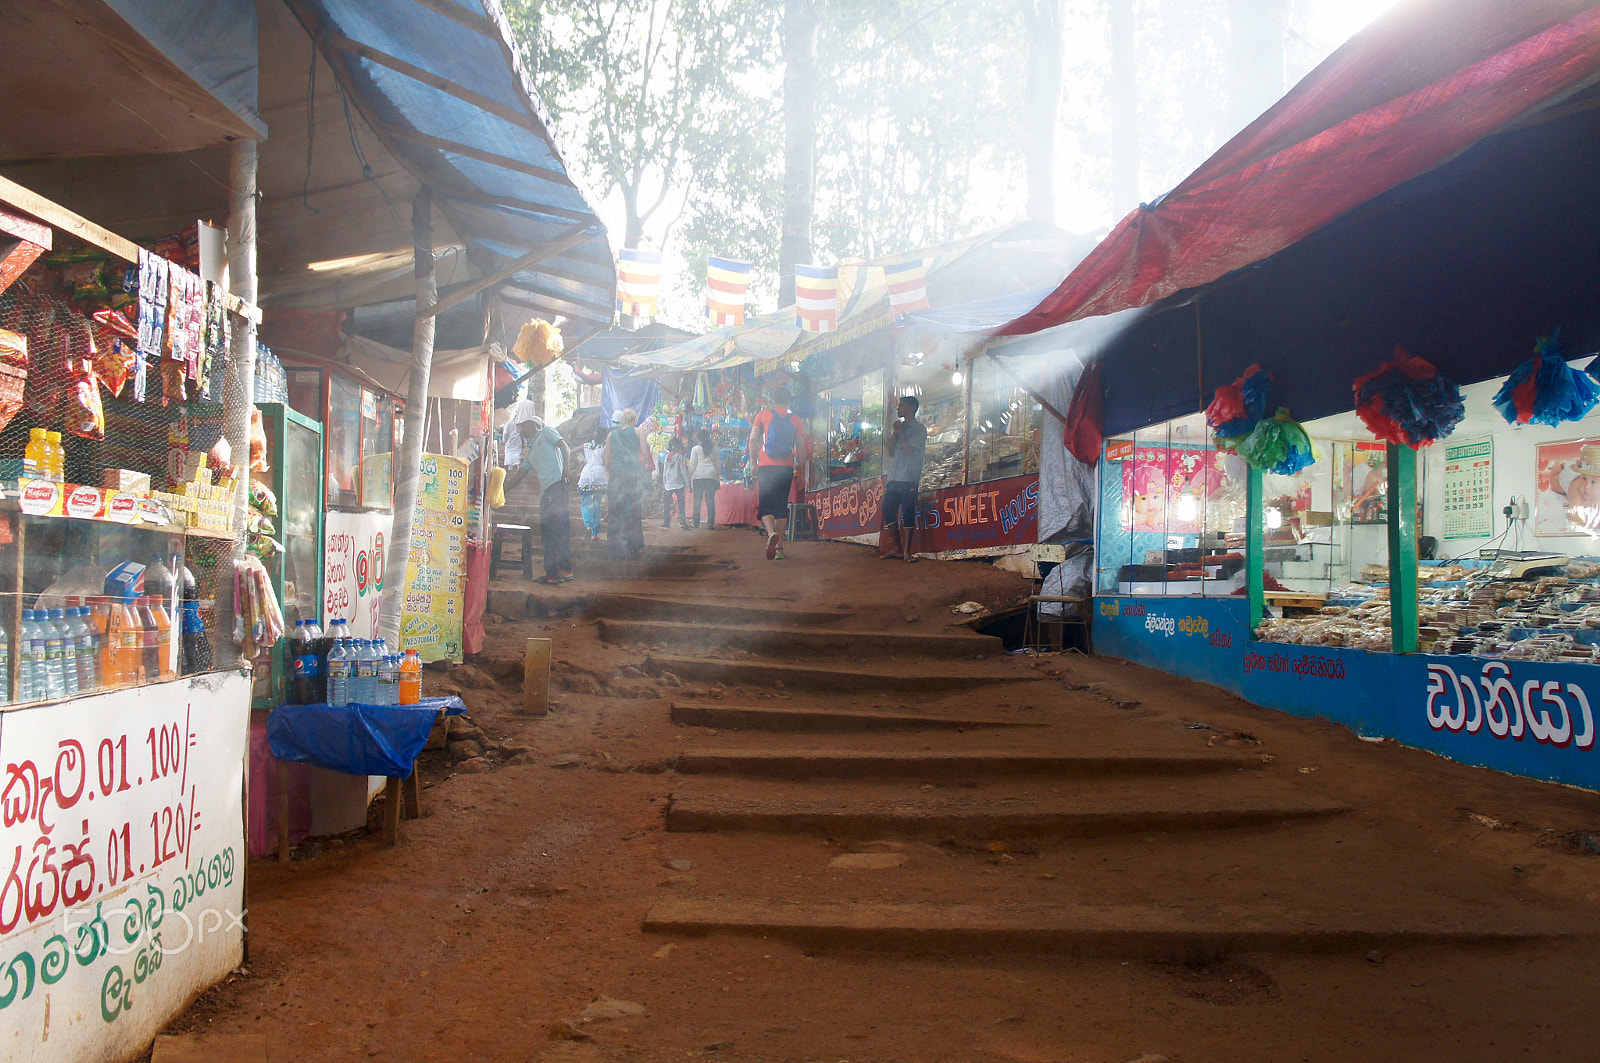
1042,104
1124,93
799,140
1255,59
633,225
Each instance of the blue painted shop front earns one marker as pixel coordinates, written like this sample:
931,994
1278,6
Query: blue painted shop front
1529,718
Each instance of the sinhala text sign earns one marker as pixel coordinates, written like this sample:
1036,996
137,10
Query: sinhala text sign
121,863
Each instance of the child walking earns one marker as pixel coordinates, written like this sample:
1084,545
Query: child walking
674,483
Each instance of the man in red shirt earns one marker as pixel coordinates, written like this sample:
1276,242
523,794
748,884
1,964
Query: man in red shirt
778,444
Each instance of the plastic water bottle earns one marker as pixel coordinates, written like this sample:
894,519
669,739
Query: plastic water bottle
339,669
366,675
66,657
5,667
88,652
55,685
388,680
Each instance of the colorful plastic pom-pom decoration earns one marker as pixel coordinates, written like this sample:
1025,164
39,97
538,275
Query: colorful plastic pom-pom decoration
1545,390
1238,407
1278,445
1407,402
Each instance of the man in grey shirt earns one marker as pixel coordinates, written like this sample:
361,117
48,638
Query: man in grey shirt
908,442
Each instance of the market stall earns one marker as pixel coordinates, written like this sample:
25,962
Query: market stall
1419,564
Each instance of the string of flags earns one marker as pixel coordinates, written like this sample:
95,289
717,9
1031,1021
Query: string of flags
728,282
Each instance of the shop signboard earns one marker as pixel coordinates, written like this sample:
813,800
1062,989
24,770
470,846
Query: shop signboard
352,568
1535,719
976,517
121,863
431,610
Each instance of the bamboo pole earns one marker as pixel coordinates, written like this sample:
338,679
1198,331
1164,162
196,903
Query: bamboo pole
536,678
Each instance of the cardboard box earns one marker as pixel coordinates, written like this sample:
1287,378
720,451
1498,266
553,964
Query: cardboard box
126,480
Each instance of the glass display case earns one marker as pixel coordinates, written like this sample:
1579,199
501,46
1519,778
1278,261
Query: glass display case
1173,515
294,457
1006,423
847,432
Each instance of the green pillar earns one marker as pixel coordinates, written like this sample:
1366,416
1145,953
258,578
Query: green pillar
1403,548
1255,524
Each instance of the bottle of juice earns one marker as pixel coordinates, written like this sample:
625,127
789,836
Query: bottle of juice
129,634
35,456
58,457
166,663
411,678
100,621
149,632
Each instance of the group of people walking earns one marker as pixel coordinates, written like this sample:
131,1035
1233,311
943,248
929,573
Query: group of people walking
618,469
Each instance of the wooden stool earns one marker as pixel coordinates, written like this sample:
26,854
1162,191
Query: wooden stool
500,532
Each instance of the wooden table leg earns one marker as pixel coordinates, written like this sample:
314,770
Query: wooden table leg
283,812
391,811
413,798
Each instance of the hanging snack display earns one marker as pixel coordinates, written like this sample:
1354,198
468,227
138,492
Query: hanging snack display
1407,402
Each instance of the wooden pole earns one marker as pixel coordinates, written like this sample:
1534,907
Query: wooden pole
536,678
408,462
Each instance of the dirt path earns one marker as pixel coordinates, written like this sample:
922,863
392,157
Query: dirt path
1044,858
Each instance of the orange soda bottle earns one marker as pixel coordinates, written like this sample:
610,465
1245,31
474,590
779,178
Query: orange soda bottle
166,666
411,678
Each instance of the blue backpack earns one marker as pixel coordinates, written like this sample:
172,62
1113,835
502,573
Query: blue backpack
781,437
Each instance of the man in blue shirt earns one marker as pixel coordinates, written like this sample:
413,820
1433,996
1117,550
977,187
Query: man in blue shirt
907,444
545,454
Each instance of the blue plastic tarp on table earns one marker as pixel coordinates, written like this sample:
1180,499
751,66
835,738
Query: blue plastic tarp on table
356,739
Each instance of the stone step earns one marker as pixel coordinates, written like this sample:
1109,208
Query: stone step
868,764
770,636
906,679
976,819
765,718
711,609
1189,933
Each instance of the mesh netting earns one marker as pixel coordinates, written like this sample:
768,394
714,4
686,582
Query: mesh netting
113,384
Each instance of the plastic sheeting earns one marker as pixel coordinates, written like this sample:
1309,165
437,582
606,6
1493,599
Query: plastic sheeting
480,142
637,393
356,739
1408,93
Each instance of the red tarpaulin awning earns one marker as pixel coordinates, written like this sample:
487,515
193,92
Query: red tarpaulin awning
1406,94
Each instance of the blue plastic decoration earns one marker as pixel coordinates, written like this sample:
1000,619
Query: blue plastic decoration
1545,390
1407,402
1238,407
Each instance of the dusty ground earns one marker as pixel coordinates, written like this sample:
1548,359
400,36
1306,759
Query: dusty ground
517,901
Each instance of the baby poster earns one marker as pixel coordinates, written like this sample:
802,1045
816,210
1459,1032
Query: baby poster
1568,478
1164,489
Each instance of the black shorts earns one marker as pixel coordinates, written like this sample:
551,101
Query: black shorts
774,482
900,503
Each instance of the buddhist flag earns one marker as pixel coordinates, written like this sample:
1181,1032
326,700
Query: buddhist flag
638,282
726,282
908,286
816,298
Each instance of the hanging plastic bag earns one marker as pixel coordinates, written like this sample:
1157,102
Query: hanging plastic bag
1545,390
1238,407
1407,402
1278,445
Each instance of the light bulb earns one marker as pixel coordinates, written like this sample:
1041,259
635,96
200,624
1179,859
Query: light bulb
1274,518
1186,507
956,378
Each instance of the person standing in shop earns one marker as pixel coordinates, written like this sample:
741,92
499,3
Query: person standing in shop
907,444
547,456
705,472
777,443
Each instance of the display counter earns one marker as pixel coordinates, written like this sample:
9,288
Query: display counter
1527,717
